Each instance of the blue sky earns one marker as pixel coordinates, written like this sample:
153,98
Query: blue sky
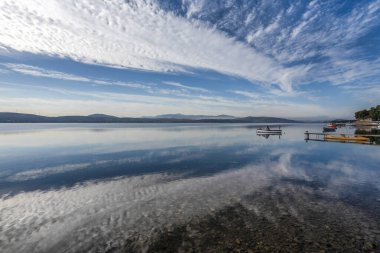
291,59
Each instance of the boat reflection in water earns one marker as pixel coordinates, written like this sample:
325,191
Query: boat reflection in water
266,136
267,131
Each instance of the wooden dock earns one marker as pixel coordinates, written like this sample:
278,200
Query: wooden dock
369,139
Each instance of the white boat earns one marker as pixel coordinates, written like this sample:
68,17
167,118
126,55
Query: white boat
268,131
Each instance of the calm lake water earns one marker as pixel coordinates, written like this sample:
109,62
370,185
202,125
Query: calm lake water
184,188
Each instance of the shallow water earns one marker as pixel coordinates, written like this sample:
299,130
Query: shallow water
184,188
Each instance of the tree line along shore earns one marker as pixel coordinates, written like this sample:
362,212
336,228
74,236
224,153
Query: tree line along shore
368,116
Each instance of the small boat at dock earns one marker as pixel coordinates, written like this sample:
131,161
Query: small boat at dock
328,129
331,127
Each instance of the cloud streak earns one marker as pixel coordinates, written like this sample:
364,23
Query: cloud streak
186,87
63,101
314,36
41,72
135,34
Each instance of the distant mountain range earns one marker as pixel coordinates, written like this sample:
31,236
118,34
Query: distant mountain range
193,117
9,117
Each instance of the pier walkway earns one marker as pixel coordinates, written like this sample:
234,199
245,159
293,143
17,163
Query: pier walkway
343,138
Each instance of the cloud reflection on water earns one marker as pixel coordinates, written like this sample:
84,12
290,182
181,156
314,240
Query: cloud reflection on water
109,212
103,213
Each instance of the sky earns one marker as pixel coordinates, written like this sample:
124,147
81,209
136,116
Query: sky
288,58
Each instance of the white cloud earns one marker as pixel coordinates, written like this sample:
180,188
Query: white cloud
320,39
131,105
248,94
40,72
186,87
155,101
138,34
134,34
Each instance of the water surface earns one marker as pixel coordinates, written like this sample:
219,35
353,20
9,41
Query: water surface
184,188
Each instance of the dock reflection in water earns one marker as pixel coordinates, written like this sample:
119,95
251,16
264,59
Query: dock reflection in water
170,188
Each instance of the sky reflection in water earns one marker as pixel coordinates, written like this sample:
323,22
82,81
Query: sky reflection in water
84,187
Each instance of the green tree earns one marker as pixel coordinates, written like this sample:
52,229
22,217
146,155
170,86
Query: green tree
373,113
363,114
376,113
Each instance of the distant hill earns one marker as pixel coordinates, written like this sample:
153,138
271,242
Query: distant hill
342,121
101,116
193,117
9,117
